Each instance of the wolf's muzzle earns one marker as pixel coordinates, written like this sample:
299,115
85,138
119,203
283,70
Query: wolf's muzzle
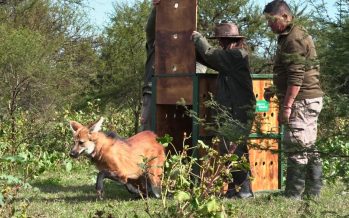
74,154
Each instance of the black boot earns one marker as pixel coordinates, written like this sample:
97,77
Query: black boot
313,183
245,189
240,187
295,180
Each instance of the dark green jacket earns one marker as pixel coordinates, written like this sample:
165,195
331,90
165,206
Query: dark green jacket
296,64
234,84
150,48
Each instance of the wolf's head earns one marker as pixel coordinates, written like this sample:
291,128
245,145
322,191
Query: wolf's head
82,137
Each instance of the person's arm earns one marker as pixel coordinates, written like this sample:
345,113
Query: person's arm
150,27
201,60
296,59
291,94
215,58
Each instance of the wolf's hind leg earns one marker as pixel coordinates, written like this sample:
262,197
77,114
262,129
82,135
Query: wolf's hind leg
132,189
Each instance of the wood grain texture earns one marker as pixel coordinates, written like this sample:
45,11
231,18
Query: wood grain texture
207,86
265,122
263,161
175,22
264,164
171,89
172,120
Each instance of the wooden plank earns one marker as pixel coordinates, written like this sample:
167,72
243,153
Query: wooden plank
172,120
207,85
265,122
175,22
171,89
264,165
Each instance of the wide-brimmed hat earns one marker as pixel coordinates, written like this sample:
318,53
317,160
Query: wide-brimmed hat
226,30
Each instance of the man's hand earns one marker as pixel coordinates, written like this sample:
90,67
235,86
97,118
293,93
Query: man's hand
268,93
285,116
192,35
291,94
156,2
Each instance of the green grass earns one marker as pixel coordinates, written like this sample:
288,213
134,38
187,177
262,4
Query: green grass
62,194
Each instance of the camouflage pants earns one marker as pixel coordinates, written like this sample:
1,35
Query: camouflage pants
300,134
146,113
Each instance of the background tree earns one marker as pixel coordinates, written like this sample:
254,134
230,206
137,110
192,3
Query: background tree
46,57
331,35
247,15
119,83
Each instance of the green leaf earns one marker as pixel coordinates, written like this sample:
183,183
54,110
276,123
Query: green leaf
184,180
12,159
202,144
220,215
2,203
68,166
182,196
212,206
10,179
165,140
195,203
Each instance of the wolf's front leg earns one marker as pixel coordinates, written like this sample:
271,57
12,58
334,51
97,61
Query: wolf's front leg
99,183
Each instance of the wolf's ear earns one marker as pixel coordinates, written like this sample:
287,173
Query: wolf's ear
75,126
97,126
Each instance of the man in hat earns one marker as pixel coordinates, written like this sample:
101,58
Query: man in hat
296,77
234,91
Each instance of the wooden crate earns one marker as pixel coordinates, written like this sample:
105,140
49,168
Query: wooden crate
264,159
172,120
265,122
264,164
174,68
175,22
175,78
207,85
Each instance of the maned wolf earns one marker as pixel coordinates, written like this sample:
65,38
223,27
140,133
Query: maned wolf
121,160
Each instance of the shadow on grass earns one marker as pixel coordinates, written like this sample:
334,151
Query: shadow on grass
333,214
52,190
81,198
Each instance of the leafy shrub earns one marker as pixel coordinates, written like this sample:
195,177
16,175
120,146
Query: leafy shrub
197,183
333,137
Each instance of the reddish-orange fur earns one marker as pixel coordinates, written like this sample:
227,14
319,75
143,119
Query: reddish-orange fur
124,157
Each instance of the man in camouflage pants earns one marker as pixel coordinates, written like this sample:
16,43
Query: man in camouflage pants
296,77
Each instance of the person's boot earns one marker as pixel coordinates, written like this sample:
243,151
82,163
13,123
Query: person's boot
313,183
245,190
295,180
231,193
240,187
